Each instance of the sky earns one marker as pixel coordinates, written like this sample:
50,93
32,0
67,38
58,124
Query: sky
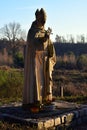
63,16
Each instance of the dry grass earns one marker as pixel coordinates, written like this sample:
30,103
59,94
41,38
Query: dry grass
74,82
13,126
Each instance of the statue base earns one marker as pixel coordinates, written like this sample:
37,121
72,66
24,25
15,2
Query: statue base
32,107
48,108
51,115
35,108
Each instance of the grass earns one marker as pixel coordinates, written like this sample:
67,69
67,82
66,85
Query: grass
11,84
14,126
9,100
74,99
73,81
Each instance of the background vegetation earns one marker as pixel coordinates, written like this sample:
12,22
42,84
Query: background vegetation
74,82
11,85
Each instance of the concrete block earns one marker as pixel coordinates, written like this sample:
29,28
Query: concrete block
48,123
63,119
36,124
70,117
57,121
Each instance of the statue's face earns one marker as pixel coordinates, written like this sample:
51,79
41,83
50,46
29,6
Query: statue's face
40,20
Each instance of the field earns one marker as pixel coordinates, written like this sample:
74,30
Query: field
74,82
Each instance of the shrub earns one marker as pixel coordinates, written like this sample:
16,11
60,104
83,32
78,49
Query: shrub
82,62
11,83
18,60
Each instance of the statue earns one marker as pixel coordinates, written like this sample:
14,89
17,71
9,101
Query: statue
39,62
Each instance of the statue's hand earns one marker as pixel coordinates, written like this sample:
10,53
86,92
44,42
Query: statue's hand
47,35
48,32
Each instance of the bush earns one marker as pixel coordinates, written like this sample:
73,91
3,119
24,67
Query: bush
82,62
11,84
18,60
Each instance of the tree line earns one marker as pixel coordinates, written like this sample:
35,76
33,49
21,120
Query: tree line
71,56
76,48
71,62
71,39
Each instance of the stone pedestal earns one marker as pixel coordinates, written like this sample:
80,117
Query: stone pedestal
64,114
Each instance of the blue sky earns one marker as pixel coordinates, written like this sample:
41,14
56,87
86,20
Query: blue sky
63,16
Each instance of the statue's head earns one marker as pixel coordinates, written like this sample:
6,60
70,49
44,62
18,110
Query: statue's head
40,16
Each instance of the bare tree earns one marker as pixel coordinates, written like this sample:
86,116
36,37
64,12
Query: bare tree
15,36
71,40
12,32
81,39
63,39
58,39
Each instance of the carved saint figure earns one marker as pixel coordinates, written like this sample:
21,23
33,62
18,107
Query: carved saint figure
39,62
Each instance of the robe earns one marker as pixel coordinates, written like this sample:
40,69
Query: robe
39,62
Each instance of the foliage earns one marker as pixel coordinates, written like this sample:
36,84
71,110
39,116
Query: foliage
82,62
70,61
19,60
11,83
5,58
